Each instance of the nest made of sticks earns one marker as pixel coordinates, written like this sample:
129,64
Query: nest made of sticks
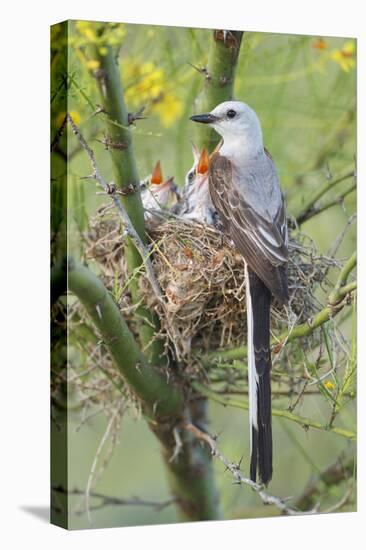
202,280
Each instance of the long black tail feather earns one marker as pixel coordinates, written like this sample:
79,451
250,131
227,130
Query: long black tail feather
260,383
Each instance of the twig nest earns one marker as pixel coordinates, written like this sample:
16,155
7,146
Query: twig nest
203,283
200,277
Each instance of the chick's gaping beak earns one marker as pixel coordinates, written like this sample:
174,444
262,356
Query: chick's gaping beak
157,174
206,118
203,163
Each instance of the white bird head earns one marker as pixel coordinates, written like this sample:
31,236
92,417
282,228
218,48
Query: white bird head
238,124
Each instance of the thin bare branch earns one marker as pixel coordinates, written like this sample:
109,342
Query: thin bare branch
101,445
310,208
332,475
342,502
234,468
107,500
328,204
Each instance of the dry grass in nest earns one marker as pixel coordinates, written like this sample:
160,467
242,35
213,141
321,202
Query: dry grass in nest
202,279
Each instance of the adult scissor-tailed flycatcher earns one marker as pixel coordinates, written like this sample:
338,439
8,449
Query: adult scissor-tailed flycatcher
245,191
157,194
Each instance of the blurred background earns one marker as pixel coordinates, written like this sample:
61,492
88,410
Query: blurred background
303,89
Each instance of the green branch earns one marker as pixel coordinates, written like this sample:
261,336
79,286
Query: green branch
119,143
157,395
319,319
221,356
219,79
316,210
302,421
308,209
339,289
336,302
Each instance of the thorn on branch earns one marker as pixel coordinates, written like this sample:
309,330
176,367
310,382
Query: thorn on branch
132,117
98,310
223,80
227,37
328,172
110,144
178,445
129,189
100,109
111,188
201,70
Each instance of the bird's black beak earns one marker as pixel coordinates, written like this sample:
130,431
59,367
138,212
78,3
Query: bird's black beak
206,118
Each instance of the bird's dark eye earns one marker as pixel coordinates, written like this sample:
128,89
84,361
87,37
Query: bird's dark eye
190,176
231,113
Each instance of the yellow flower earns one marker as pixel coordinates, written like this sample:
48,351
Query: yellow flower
152,84
329,385
169,109
92,64
85,28
345,57
147,67
147,82
75,115
101,34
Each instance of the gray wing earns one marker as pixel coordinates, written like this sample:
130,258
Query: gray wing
259,233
